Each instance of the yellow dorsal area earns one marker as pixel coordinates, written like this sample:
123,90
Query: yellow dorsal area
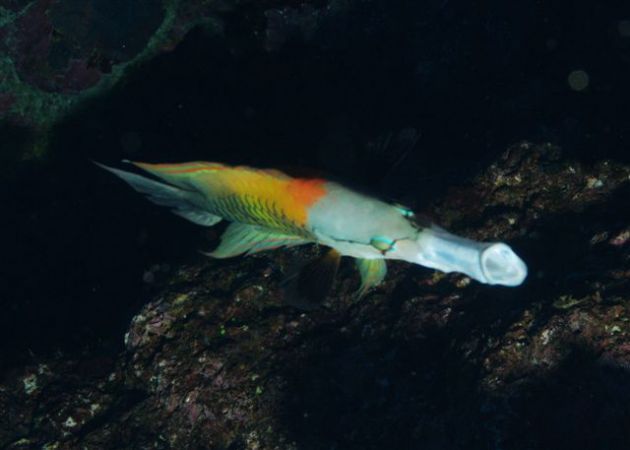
243,194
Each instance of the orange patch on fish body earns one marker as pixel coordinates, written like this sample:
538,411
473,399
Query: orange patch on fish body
307,191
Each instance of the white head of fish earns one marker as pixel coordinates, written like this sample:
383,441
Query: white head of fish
364,227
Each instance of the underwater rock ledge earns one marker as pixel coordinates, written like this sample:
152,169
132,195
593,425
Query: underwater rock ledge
217,361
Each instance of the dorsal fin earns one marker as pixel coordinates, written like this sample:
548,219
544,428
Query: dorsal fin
181,174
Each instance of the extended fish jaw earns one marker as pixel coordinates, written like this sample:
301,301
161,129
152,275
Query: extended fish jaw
487,262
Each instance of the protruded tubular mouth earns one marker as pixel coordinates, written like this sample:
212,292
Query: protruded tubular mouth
486,262
500,265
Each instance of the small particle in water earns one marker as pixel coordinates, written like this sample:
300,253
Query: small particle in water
578,80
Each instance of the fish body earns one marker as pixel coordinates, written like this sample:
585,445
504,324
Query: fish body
270,209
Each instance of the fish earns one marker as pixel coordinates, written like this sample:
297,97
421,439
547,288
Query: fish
268,209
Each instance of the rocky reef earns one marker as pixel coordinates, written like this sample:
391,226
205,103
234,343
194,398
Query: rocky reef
215,359
115,333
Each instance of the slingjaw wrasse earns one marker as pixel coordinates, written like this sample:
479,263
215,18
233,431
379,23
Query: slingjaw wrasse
270,209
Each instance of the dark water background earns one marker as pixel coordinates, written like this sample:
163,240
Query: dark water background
471,79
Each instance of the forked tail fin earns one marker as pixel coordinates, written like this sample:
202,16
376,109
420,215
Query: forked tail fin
184,203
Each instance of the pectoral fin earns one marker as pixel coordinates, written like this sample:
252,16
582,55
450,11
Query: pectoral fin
241,238
308,283
317,277
372,272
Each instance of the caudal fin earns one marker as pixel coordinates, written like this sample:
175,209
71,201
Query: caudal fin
183,202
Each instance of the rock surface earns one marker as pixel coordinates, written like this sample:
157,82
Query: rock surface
57,56
426,360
